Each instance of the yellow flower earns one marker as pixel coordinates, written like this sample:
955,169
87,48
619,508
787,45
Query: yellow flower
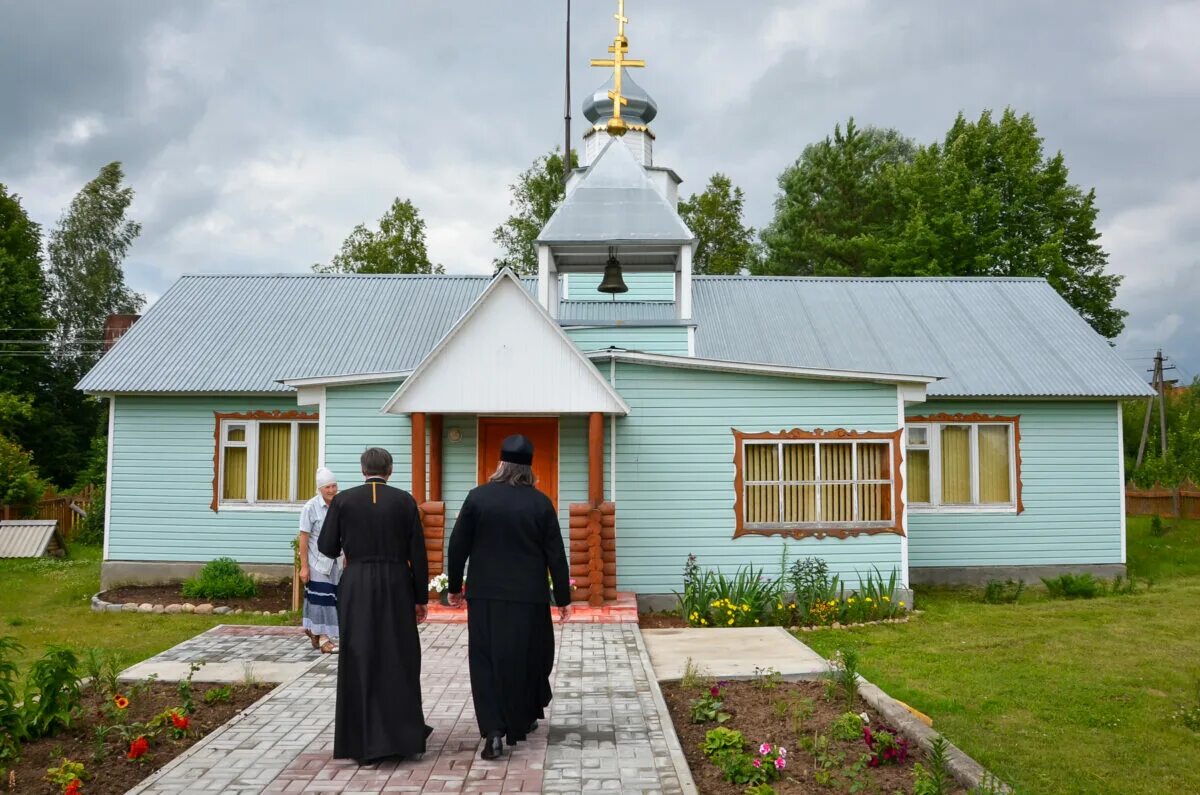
779,605
902,604
850,601
756,621
792,606
731,621
869,599
887,598
704,621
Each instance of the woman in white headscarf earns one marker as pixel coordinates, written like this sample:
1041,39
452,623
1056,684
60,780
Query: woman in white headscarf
318,573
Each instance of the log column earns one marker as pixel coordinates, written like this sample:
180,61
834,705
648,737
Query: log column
418,457
595,498
435,457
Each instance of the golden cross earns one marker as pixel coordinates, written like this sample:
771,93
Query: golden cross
620,46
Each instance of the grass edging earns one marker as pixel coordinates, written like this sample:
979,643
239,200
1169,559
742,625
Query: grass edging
966,771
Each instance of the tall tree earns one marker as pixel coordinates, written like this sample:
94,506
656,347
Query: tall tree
23,323
398,246
535,196
834,206
726,245
987,201
85,253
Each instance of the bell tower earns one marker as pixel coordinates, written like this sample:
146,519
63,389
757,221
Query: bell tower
618,231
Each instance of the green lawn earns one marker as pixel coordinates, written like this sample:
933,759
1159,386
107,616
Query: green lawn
46,602
1051,695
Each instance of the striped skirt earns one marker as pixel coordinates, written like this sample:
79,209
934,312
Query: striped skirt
320,608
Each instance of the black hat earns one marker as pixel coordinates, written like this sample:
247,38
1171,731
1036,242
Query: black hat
517,449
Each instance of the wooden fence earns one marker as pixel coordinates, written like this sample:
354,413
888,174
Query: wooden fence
68,509
1158,500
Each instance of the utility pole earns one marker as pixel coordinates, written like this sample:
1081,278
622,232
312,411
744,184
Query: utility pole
1158,381
1154,380
567,104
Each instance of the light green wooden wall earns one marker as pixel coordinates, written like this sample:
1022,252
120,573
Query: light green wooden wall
1070,470
674,488
642,287
671,340
161,487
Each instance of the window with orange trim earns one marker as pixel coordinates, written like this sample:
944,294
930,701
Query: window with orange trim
817,483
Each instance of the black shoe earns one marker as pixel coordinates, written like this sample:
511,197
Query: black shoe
532,728
428,731
493,747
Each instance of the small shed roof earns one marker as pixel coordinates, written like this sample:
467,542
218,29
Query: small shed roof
30,538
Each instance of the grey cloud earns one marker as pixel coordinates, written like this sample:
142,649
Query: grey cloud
258,134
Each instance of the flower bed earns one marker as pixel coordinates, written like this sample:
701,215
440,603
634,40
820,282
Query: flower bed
271,598
804,594
769,736
116,741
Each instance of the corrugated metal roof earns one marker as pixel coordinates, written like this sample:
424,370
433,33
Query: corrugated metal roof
26,538
615,201
987,337
237,333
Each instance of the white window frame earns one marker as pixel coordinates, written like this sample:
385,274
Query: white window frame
294,502
818,483
933,444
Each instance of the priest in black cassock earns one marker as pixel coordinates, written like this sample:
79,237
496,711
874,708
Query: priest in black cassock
510,533
382,597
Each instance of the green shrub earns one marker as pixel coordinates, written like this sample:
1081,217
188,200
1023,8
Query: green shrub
722,739
12,723
843,676
1074,586
935,779
222,578
20,485
90,531
1156,526
52,693
1007,592
848,727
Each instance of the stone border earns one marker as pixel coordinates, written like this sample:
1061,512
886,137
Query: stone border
966,771
678,760
204,609
908,614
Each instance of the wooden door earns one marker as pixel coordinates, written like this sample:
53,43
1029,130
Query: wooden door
542,431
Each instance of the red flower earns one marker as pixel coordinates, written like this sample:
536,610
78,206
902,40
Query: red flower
74,788
180,721
138,748
714,691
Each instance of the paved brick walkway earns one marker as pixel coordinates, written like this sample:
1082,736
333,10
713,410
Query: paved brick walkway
608,727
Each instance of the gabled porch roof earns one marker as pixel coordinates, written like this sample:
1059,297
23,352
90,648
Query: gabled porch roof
506,355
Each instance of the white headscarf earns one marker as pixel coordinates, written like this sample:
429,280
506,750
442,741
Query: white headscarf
325,478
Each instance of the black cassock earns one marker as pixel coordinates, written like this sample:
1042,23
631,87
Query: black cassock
511,536
379,667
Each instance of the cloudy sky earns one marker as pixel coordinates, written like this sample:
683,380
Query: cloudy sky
258,134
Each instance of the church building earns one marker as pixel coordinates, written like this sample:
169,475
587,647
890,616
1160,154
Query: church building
947,430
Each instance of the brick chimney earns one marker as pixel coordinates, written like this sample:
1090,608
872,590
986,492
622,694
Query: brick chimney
115,327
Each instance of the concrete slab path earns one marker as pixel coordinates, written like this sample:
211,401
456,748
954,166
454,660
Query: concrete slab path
608,726
731,653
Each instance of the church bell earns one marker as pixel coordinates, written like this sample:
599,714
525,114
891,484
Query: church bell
612,282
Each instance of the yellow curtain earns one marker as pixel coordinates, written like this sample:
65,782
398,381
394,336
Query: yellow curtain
237,433
799,501
874,499
234,488
918,475
274,461
762,501
837,501
956,464
994,485
306,475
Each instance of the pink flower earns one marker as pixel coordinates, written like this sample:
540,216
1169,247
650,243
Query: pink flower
571,581
764,749
780,763
758,763
782,751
